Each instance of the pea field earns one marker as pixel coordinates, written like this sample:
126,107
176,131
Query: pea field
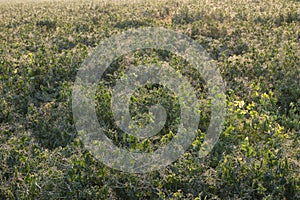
254,44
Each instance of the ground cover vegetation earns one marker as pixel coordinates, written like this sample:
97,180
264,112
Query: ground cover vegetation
256,47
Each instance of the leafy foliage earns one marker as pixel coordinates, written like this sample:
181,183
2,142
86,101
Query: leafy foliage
255,44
